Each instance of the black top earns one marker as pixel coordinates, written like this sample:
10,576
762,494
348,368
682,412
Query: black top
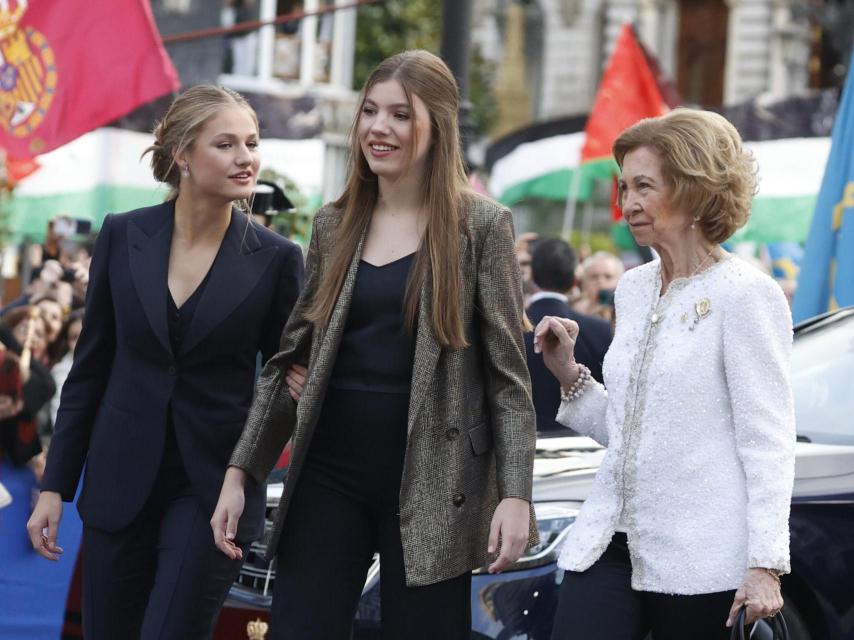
377,349
178,321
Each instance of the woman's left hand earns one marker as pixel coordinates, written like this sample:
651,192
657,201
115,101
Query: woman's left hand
760,593
296,381
510,525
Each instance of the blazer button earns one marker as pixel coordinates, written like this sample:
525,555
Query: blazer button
452,434
172,370
459,499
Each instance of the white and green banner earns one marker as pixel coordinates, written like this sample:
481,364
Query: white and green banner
101,172
790,173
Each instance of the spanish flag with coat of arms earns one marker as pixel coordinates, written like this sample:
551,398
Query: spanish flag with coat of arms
70,66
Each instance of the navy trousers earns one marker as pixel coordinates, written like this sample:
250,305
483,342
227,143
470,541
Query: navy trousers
323,558
600,603
161,578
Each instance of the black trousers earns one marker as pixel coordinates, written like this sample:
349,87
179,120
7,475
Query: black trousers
162,577
600,603
323,558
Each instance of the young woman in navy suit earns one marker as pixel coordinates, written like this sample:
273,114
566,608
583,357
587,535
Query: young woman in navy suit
182,297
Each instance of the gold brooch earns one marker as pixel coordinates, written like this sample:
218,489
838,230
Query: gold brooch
703,307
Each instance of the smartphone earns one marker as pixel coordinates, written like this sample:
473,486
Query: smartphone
606,297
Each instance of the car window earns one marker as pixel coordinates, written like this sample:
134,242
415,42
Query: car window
823,383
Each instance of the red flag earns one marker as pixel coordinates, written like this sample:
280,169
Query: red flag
628,93
13,170
68,67
17,169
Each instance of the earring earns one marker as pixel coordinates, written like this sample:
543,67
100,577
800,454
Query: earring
185,171
696,220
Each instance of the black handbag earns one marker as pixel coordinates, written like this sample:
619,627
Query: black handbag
765,629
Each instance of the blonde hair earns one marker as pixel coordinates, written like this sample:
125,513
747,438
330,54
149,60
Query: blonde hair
179,128
712,175
445,193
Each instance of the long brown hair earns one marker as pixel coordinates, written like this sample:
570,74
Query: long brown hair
445,194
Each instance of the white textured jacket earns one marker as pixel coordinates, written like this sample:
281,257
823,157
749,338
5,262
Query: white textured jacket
699,424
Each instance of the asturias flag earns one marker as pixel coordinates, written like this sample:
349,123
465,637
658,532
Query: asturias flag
69,66
826,280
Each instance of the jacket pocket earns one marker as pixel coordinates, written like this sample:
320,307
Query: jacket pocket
480,438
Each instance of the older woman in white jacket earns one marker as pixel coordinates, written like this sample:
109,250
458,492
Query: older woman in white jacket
688,518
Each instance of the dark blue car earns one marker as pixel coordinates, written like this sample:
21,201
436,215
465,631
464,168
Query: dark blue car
819,594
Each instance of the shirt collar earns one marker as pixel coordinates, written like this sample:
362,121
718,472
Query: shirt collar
547,295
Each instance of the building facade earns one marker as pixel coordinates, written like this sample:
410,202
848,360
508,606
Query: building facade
718,52
300,71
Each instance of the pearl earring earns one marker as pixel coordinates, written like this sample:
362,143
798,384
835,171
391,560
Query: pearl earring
696,220
185,171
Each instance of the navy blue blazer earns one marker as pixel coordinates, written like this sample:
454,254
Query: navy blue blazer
594,338
125,379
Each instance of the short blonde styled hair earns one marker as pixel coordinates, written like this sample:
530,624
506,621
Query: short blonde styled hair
713,177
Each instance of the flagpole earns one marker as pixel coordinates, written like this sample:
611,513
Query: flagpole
586,222
570,208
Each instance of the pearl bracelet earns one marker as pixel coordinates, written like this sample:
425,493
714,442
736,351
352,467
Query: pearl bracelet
577,387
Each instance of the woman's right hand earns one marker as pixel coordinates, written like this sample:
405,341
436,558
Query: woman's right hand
45,518
555,338
228,510
296,381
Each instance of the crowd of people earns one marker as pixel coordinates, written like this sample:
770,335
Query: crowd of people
38,335
402,367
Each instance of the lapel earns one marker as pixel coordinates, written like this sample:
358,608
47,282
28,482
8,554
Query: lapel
239,264
149,239
427,350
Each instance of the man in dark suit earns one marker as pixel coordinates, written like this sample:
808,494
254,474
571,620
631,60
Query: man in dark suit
553,265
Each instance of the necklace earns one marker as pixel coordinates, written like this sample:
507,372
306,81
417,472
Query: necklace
664,287
702,262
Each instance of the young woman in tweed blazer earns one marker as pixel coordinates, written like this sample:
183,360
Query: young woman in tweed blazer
413,428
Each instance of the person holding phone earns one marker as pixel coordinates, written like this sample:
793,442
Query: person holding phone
600,273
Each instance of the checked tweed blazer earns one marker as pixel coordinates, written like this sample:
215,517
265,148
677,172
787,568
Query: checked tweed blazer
471,424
